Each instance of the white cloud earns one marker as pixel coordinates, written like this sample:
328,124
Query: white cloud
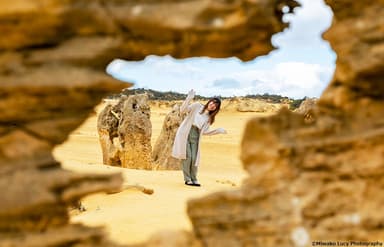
306,25
292,79
115,67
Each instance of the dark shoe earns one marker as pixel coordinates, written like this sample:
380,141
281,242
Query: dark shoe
189,183
196,184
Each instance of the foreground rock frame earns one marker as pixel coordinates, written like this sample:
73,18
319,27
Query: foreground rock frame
303,175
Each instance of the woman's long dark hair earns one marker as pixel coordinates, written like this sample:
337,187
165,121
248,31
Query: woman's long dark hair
212,114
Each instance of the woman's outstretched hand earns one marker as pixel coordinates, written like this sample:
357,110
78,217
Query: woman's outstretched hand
222,131
191,94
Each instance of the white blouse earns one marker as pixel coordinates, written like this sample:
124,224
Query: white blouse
200,119
179,150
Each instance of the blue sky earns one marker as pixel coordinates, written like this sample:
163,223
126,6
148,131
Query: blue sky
302,65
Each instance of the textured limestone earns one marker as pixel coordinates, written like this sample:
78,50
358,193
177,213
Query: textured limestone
134,29
358,77
52,60
37,113
47,89
319,179
107,126
73,235
261,213
125,133
307,108
163,148
135,131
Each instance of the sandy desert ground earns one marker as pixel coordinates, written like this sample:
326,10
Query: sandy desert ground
132,216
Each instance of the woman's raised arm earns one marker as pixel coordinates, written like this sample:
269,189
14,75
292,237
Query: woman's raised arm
185,106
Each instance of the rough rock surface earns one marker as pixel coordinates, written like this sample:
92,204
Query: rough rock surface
163,148
320,179
307,108
125,133
45,94
134,29
107,127
261,212
40,105
52,60
37,113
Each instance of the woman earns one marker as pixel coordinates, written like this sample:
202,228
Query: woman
187,141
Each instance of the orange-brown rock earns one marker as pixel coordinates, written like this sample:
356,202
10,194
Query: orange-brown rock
125,133
357,37
72,235
319,179
307,108
135,29
52,60
262,212
107,127
135,130
45,94
38,111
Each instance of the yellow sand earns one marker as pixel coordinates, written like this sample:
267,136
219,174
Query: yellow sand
132,216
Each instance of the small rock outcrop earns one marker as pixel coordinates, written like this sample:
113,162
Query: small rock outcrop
107,128
307,108
163,148
125,133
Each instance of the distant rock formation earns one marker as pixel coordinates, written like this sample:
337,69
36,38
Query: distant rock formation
306,105
257,106
125,133
107,127
307,108
163,148
243,104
